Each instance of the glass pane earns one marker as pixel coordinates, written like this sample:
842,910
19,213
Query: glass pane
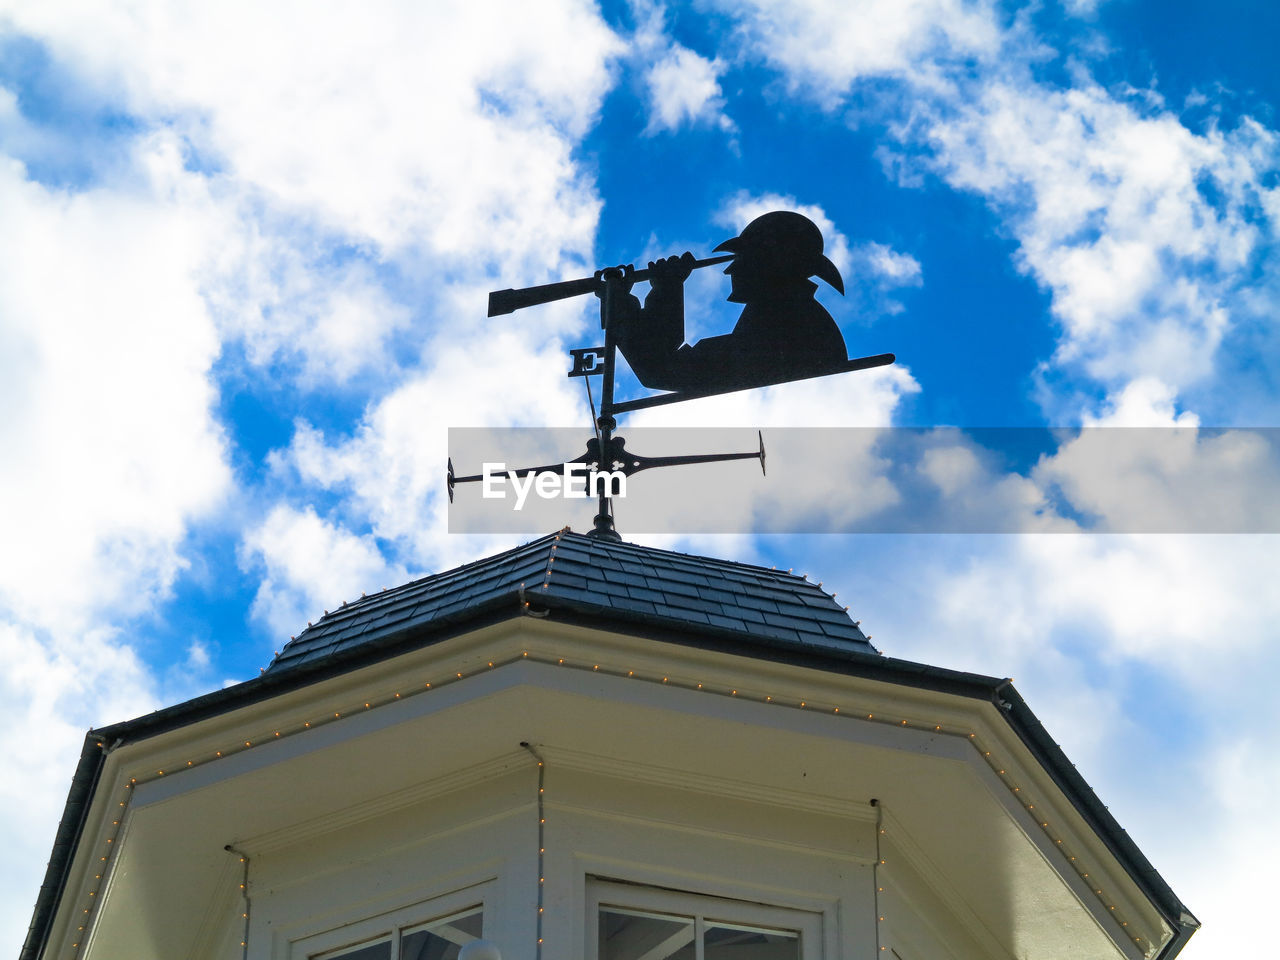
441,939
369,951
636,935
726,941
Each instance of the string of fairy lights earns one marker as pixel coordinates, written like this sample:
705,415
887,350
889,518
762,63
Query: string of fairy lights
875,876
238,745
542,844
244,896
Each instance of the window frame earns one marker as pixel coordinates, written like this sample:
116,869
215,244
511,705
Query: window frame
392,925
705,910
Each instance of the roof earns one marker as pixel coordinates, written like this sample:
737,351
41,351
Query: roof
590,575
740,608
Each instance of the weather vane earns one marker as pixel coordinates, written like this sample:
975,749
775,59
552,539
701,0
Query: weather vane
783,334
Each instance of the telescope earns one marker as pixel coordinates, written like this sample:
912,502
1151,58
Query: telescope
502,302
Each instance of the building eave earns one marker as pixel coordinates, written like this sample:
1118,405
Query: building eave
513,605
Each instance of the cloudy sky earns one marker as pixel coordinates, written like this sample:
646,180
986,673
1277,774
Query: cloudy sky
244,251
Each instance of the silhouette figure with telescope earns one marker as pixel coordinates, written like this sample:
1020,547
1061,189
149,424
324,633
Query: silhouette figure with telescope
783,333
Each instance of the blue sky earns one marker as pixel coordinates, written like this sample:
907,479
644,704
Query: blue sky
244,251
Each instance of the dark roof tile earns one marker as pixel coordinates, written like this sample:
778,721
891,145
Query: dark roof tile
659,587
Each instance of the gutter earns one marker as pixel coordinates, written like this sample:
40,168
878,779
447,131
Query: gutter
84,783
1068,779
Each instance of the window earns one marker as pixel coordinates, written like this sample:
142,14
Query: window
647,923
438,940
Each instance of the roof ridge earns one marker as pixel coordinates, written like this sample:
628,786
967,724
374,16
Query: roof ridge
551,558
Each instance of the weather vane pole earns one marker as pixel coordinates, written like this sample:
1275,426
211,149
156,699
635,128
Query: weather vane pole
782,335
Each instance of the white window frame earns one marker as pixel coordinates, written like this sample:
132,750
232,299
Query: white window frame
705,910
391,925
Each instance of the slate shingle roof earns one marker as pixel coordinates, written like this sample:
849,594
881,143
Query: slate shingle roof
617,579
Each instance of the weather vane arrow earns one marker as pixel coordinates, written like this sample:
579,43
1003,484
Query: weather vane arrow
783,334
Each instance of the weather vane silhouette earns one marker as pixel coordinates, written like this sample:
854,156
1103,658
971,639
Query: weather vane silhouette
783,334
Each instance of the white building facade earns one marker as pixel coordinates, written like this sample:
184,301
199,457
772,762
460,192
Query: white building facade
590,750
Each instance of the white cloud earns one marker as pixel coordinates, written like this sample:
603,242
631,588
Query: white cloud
681,86
280,168
1168,480
684,89
1144,402
110,443
974,495
337,143
877,272
282,290
1239,774
310,565
1108,199
891,264
398,123
1082,8
1144,233
823,46
391,471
